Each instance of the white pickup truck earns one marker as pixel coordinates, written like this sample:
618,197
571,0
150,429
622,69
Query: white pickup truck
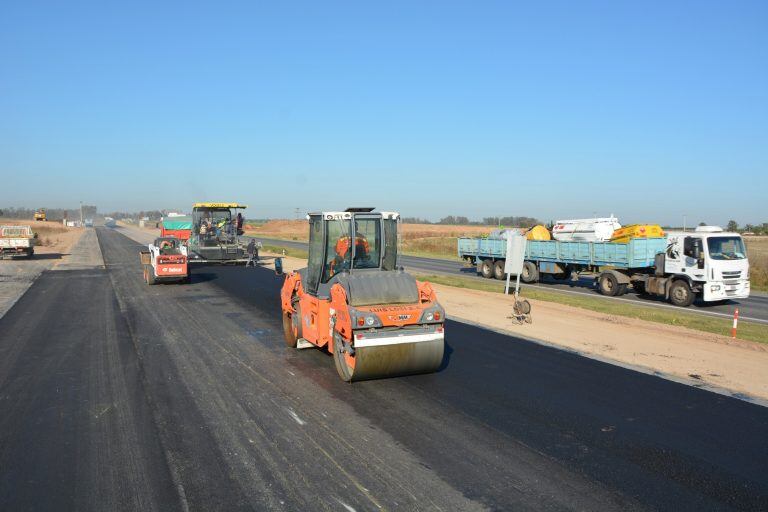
17,241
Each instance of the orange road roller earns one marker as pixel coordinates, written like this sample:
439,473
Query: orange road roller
356,302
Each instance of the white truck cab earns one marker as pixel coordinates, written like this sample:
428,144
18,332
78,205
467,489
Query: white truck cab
713,261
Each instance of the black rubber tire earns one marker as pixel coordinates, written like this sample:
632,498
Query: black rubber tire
290,338
680,294
608,285
639,287
486,269
345,372
622,289
498,270
151,279
288,325
530,273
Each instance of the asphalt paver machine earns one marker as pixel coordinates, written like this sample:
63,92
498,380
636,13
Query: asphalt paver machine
216,232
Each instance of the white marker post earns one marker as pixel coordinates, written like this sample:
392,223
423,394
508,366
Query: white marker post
515,258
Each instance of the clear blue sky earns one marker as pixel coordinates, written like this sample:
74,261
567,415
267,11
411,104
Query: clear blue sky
648,110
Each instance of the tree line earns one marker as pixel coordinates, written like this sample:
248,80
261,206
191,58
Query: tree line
89,211
755,229
458,220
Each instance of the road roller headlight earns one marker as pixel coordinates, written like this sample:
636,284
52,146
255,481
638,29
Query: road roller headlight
369,320
430,317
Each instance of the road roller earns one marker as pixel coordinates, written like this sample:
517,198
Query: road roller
354,300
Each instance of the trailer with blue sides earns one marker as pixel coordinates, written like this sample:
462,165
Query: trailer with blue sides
680,267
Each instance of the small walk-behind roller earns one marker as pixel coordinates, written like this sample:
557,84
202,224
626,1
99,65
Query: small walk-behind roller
355,302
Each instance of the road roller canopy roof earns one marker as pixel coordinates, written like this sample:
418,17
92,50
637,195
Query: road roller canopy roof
216,206
352,212
358,239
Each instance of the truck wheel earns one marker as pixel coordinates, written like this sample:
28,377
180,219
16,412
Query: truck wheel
622,290
486,269
498,270
680,294
530,273
608,285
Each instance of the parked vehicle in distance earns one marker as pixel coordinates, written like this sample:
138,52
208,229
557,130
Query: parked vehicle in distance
17,241
179,226
88,223
165,260
40,214
708,264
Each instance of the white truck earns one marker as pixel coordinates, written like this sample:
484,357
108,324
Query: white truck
712,263
707,263
17,241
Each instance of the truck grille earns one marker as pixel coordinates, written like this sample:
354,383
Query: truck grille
734,274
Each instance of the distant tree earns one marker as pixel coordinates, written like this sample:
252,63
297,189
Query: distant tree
749,228
732,225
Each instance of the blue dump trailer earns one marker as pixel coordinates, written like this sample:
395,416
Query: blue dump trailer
614,265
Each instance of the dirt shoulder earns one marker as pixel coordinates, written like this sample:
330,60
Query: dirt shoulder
58,247
689,356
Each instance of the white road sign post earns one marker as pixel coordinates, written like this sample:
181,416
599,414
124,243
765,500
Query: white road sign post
514,262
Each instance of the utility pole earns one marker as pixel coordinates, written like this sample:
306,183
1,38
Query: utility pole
81,214
297,210
684,223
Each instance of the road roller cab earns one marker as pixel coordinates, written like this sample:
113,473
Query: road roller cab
354,301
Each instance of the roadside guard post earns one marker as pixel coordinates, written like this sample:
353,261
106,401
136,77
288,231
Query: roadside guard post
514,261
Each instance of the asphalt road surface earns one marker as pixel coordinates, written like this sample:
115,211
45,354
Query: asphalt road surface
755,308
115,395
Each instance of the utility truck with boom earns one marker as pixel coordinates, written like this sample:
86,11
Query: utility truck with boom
354,301
708,264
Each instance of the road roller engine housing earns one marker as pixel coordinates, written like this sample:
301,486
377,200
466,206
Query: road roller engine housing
354,301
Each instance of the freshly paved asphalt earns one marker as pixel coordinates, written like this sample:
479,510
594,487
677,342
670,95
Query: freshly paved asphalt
755,308
119,396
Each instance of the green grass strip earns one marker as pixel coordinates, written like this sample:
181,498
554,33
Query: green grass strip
747,330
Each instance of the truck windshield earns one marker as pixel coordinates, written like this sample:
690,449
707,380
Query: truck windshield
726,248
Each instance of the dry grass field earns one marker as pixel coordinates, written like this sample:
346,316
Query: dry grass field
757,251
439,241
52,237
432,240
48,233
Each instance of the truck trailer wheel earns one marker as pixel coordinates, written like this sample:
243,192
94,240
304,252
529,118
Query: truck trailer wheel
530,273
498,270
680,294
608,285
486,269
